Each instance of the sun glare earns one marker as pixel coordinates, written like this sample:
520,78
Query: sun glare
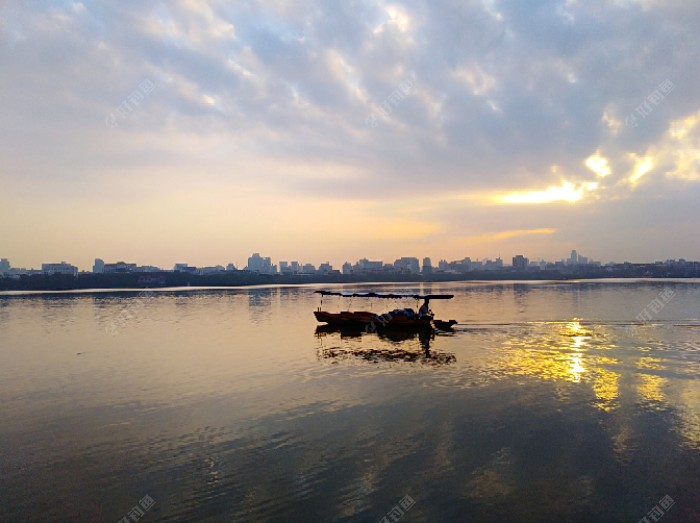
642,165
599,165
566,192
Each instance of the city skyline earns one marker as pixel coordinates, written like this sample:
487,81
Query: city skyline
266,264
188,131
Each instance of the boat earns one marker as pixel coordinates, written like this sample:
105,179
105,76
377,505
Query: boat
406,318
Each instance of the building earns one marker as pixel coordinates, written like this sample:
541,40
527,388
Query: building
493,265
347,268
261,265
183,267
365,265
4,266
573,259
120,267
99,266
148,268
520,262
17,273
207,271
231,267
59,268
406,264
427,266
325,268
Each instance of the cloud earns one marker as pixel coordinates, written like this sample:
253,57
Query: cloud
526,101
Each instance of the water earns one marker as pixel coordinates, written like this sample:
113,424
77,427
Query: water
548,402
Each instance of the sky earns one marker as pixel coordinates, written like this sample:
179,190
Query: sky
203,131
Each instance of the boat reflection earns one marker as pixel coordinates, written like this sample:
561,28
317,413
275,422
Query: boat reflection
397,346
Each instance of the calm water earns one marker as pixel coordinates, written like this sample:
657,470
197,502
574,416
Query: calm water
549,402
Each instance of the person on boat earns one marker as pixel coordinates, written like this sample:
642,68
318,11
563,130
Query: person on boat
424,311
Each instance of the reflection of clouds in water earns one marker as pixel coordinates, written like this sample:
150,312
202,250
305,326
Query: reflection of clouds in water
495,479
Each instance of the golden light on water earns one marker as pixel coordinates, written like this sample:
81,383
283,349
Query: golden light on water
606,388
570,356
576,369
650,388
562,358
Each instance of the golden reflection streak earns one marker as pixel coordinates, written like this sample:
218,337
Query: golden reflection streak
606,389
649,388
568,362
549,361
689,428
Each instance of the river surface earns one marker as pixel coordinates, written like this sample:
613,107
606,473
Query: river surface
550,401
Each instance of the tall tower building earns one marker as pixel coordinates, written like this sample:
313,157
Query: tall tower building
520,262
99,266
427,266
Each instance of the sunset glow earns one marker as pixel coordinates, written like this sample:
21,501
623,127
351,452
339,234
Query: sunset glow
566,192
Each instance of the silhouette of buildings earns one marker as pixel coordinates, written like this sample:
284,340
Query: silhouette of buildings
411,265
59,268
520,262
574,265
184,268
119,267
260,265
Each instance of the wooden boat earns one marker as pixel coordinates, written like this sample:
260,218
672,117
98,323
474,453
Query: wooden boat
396,319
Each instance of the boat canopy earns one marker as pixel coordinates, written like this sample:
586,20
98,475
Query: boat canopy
386,295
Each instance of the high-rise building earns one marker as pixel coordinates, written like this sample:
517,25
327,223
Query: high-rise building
4,266
520,262
259,264
573,259
99,266
411,265
347,268
427,266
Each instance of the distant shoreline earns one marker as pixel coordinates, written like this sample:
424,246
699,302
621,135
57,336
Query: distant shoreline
140,281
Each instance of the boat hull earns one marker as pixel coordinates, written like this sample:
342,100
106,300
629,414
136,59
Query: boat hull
372,321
